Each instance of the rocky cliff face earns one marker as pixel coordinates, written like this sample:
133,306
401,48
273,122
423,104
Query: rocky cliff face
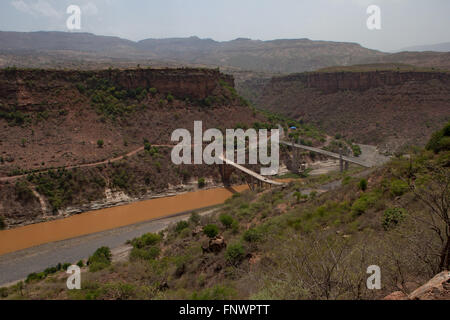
387,108
359,81
97,123
197,84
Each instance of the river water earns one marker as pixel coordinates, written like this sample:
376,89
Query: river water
111,218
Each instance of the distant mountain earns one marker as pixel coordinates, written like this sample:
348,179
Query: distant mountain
440,47
277,56
50,41
84,50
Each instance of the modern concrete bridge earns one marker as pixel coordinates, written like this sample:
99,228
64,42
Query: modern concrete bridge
255,178
343,159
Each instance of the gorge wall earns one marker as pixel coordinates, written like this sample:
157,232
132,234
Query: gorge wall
388,108
183,82
68,138
359,81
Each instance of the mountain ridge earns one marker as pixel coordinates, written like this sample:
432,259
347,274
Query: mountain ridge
244,58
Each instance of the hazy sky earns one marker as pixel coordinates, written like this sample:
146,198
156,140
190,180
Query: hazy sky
403,22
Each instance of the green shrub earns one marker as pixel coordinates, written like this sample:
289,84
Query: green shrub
398,188
100,143
4,292
23,191
235,253
170,98
66,266
201,183
356,150
392,217
153,91
150,253
52,270
148,239
80,264
362,184
101,259
440,140
211,230
181,225
81,88
299,196
313,195
226,220
217,292
363,203
32,277
194,218
252,235
346,180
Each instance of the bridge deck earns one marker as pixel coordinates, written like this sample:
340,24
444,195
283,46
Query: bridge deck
328,153
250,172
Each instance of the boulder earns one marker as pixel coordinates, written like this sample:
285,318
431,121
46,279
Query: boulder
436,288
197,230
214,245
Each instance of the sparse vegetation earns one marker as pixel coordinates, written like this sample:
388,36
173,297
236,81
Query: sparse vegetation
181,225
101,259
392,217
201,183
235,253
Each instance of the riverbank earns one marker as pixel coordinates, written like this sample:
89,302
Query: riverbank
111,218
18,265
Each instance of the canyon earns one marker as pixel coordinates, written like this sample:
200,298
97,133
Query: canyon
389,108
73,141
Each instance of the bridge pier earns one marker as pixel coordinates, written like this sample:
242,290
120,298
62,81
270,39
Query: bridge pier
343,165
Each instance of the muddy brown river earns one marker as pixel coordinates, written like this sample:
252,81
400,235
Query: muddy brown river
110,218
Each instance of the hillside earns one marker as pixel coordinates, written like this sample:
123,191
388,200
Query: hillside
70,136
313,239
372,104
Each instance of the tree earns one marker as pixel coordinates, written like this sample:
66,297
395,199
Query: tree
440,141
201,183
235,253
100,259
100,143
432,188
226,220
363,185
211,230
